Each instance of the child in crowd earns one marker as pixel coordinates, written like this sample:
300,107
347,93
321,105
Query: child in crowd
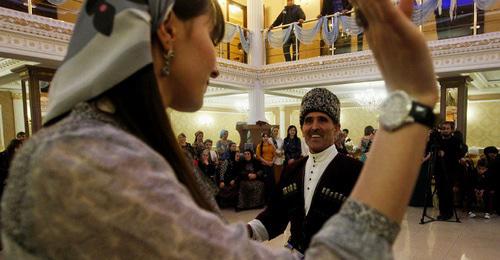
483,189
213,158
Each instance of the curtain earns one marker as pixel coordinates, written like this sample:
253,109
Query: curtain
306,36
278,38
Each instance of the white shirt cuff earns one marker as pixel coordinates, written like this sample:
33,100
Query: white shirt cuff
259,230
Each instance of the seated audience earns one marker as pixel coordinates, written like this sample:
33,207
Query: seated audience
223,144
213,157
484,190
186,147
252,188
228,180
198,144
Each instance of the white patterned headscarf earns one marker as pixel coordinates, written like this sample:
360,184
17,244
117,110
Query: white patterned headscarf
111,41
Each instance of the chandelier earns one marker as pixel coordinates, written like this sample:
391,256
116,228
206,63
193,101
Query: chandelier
370,99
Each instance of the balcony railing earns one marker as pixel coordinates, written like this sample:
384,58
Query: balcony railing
472,18
465,21
235,44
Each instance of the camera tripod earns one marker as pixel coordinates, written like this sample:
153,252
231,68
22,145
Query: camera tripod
429,193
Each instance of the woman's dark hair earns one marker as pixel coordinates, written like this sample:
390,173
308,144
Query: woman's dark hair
139,107
187,9
196,136
250,151
262,143
288,131
369,130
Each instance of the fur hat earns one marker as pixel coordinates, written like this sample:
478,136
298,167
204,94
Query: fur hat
320,100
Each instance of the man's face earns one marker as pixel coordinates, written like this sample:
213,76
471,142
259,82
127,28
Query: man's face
491,156
319,131
481,170
289,2
208,145
446,130
247,156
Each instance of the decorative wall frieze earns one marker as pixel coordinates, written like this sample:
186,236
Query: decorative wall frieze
465,54
35,25
235,74
25,36
39,38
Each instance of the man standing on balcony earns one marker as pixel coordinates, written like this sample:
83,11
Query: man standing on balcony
313,188
456,19
343,43
291,13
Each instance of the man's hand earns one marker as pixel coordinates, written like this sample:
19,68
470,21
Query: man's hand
300,21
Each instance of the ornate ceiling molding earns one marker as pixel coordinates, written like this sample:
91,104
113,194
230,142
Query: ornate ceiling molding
39,38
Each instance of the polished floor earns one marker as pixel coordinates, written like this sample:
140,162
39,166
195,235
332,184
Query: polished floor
472,239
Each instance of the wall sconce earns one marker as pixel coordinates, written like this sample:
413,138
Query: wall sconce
234,9
205,120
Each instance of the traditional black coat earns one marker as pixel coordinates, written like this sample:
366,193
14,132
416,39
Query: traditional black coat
287,205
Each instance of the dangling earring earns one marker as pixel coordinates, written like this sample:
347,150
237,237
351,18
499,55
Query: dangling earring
165,71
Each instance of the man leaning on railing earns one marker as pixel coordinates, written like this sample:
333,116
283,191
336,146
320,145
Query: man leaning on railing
291,13
343,43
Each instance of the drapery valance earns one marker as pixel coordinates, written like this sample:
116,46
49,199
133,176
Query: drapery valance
230,32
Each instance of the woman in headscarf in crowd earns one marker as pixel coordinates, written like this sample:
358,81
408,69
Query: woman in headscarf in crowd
198,144
222,145
186,147
292,145
252,187
105,178
366,142
207,168
228,178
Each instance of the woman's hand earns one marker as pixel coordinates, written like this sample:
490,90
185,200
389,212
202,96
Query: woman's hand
399,48
252,176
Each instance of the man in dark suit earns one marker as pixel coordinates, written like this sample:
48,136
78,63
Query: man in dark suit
291,13
343,43
313,188
459,22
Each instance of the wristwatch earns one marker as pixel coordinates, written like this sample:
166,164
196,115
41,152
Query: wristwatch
399,110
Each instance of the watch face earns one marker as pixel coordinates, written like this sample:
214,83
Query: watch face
395,110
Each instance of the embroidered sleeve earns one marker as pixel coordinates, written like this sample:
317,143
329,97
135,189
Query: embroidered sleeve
99,198
356,232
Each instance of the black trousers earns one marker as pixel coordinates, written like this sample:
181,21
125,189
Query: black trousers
462,25
295,46
444,188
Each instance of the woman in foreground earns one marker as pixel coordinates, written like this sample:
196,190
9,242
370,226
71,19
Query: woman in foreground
105,178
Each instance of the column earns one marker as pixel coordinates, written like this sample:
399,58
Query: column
256,104
461,84
255,23
283,125
256,57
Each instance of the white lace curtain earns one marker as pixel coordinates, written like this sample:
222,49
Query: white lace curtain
231,31
330,27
